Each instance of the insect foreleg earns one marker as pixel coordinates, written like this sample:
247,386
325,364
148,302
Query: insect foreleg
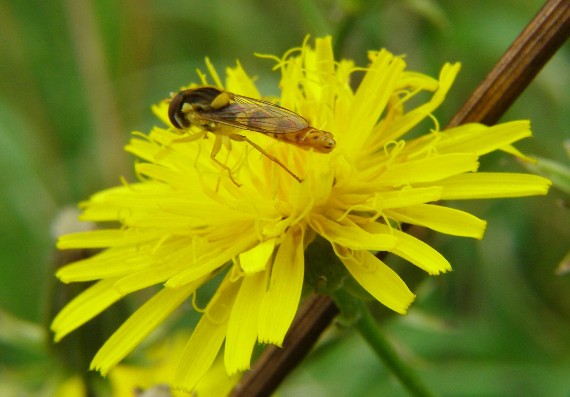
190,137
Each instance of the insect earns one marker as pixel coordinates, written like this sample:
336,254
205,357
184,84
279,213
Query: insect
214,110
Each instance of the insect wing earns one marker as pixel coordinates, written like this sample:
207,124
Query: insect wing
256,115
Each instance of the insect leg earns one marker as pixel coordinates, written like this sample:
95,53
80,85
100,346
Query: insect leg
190,137
237,137
215,150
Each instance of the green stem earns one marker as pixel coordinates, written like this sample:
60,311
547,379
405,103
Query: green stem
368,328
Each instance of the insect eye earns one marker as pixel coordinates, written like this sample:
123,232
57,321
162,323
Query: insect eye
174,110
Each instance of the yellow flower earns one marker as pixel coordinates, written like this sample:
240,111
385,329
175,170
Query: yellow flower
186,221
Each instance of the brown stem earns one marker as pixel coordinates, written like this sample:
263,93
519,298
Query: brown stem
275,363
507,80
530,51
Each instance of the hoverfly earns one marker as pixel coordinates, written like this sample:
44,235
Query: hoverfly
212,109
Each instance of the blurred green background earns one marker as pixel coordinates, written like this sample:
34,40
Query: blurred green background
77,76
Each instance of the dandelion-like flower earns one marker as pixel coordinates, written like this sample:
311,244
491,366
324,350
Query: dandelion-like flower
186,221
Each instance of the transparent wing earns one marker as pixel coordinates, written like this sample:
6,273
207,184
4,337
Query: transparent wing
256,115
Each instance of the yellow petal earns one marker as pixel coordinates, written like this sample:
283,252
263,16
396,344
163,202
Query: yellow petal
242,328
518,154
160,110
441,219
370,100
480,139
103,239
428,169
377,278
154,275
212,71
405,197
84,307
110,263
255,259
165,266
319,68
212,262
139,325
215,382
239,82
163,174
352,236
280,302
410,119
493,185
420,254
207,338
414,250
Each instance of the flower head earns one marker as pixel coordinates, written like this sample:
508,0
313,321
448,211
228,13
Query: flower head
186,220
